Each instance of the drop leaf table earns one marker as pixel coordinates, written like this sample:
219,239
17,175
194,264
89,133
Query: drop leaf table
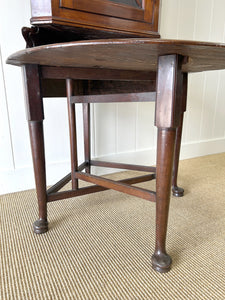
92,71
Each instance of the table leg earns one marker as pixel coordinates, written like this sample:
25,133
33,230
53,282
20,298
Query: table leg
87,138
37,146
161,261
73,133
178,191
168,110
35,116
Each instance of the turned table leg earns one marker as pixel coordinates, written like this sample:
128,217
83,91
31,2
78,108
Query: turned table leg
73,133
161,261
87,139
35,118
37,146
178,191
168,111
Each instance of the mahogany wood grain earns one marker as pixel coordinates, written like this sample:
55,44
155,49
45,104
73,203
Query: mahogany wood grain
112,98
35,116
34,102
95,188
178,191
161,261
90,73
124,54
104,17
51,34
38,155
118,186
169,83
169,94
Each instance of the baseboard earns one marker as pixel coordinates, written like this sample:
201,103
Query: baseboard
23,179
148,156
202,148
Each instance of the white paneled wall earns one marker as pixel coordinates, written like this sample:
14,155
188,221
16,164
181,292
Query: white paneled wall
121,132
204,126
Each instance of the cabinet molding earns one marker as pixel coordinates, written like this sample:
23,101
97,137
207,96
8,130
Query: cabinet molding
103,16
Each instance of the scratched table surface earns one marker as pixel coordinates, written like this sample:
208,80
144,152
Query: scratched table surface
124,54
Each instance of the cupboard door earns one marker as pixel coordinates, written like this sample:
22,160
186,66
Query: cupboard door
99,18
137,10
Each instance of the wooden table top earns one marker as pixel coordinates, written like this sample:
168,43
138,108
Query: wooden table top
123,54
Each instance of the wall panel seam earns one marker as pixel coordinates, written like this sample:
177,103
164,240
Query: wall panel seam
178,18
7,110
202,108
195,20
216,103
211,20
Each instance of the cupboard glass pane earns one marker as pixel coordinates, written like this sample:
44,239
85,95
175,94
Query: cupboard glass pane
134,3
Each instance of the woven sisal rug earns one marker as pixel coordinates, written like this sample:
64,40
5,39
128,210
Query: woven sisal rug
99,246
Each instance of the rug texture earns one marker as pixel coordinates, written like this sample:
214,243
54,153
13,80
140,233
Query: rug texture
99,246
